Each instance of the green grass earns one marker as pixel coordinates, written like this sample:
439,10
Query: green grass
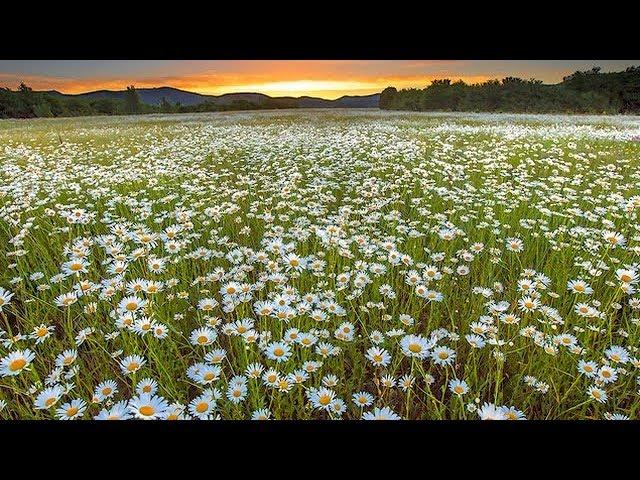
556,183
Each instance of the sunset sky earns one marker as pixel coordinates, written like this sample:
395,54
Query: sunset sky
321,78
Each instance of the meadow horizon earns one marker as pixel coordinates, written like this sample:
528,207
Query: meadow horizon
452,250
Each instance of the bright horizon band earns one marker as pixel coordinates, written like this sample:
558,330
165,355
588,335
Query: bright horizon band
328,79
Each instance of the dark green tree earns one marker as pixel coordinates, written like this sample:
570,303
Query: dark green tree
132,100
165,106
591,91
386,97
25,90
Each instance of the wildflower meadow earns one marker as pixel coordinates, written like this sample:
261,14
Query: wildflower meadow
320,264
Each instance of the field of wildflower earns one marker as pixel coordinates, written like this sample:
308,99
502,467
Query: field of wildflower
320,265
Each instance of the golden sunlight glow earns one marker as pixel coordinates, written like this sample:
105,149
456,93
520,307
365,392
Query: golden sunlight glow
318,88
329,79
277,79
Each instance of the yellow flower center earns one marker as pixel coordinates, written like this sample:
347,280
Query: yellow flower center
415,348
17,364
147,410
202,407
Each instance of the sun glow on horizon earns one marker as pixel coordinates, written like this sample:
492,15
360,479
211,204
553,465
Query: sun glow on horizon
215,85
329,89
328,79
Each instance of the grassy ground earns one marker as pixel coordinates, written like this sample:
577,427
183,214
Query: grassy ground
340,255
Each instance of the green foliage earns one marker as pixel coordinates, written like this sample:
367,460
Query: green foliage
581,92
25,103
165,106
132,101
105,106
386,97
42,110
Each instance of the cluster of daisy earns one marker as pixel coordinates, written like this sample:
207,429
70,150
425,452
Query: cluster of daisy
330,266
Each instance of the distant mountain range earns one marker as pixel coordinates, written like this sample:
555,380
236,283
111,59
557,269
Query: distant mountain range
154,96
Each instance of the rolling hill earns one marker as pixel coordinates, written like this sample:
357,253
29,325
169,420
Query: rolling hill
154,96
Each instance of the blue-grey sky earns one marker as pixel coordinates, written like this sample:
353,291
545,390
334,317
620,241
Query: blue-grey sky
325,78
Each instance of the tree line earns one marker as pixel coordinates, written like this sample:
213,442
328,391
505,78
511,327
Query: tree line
27,103
590,91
